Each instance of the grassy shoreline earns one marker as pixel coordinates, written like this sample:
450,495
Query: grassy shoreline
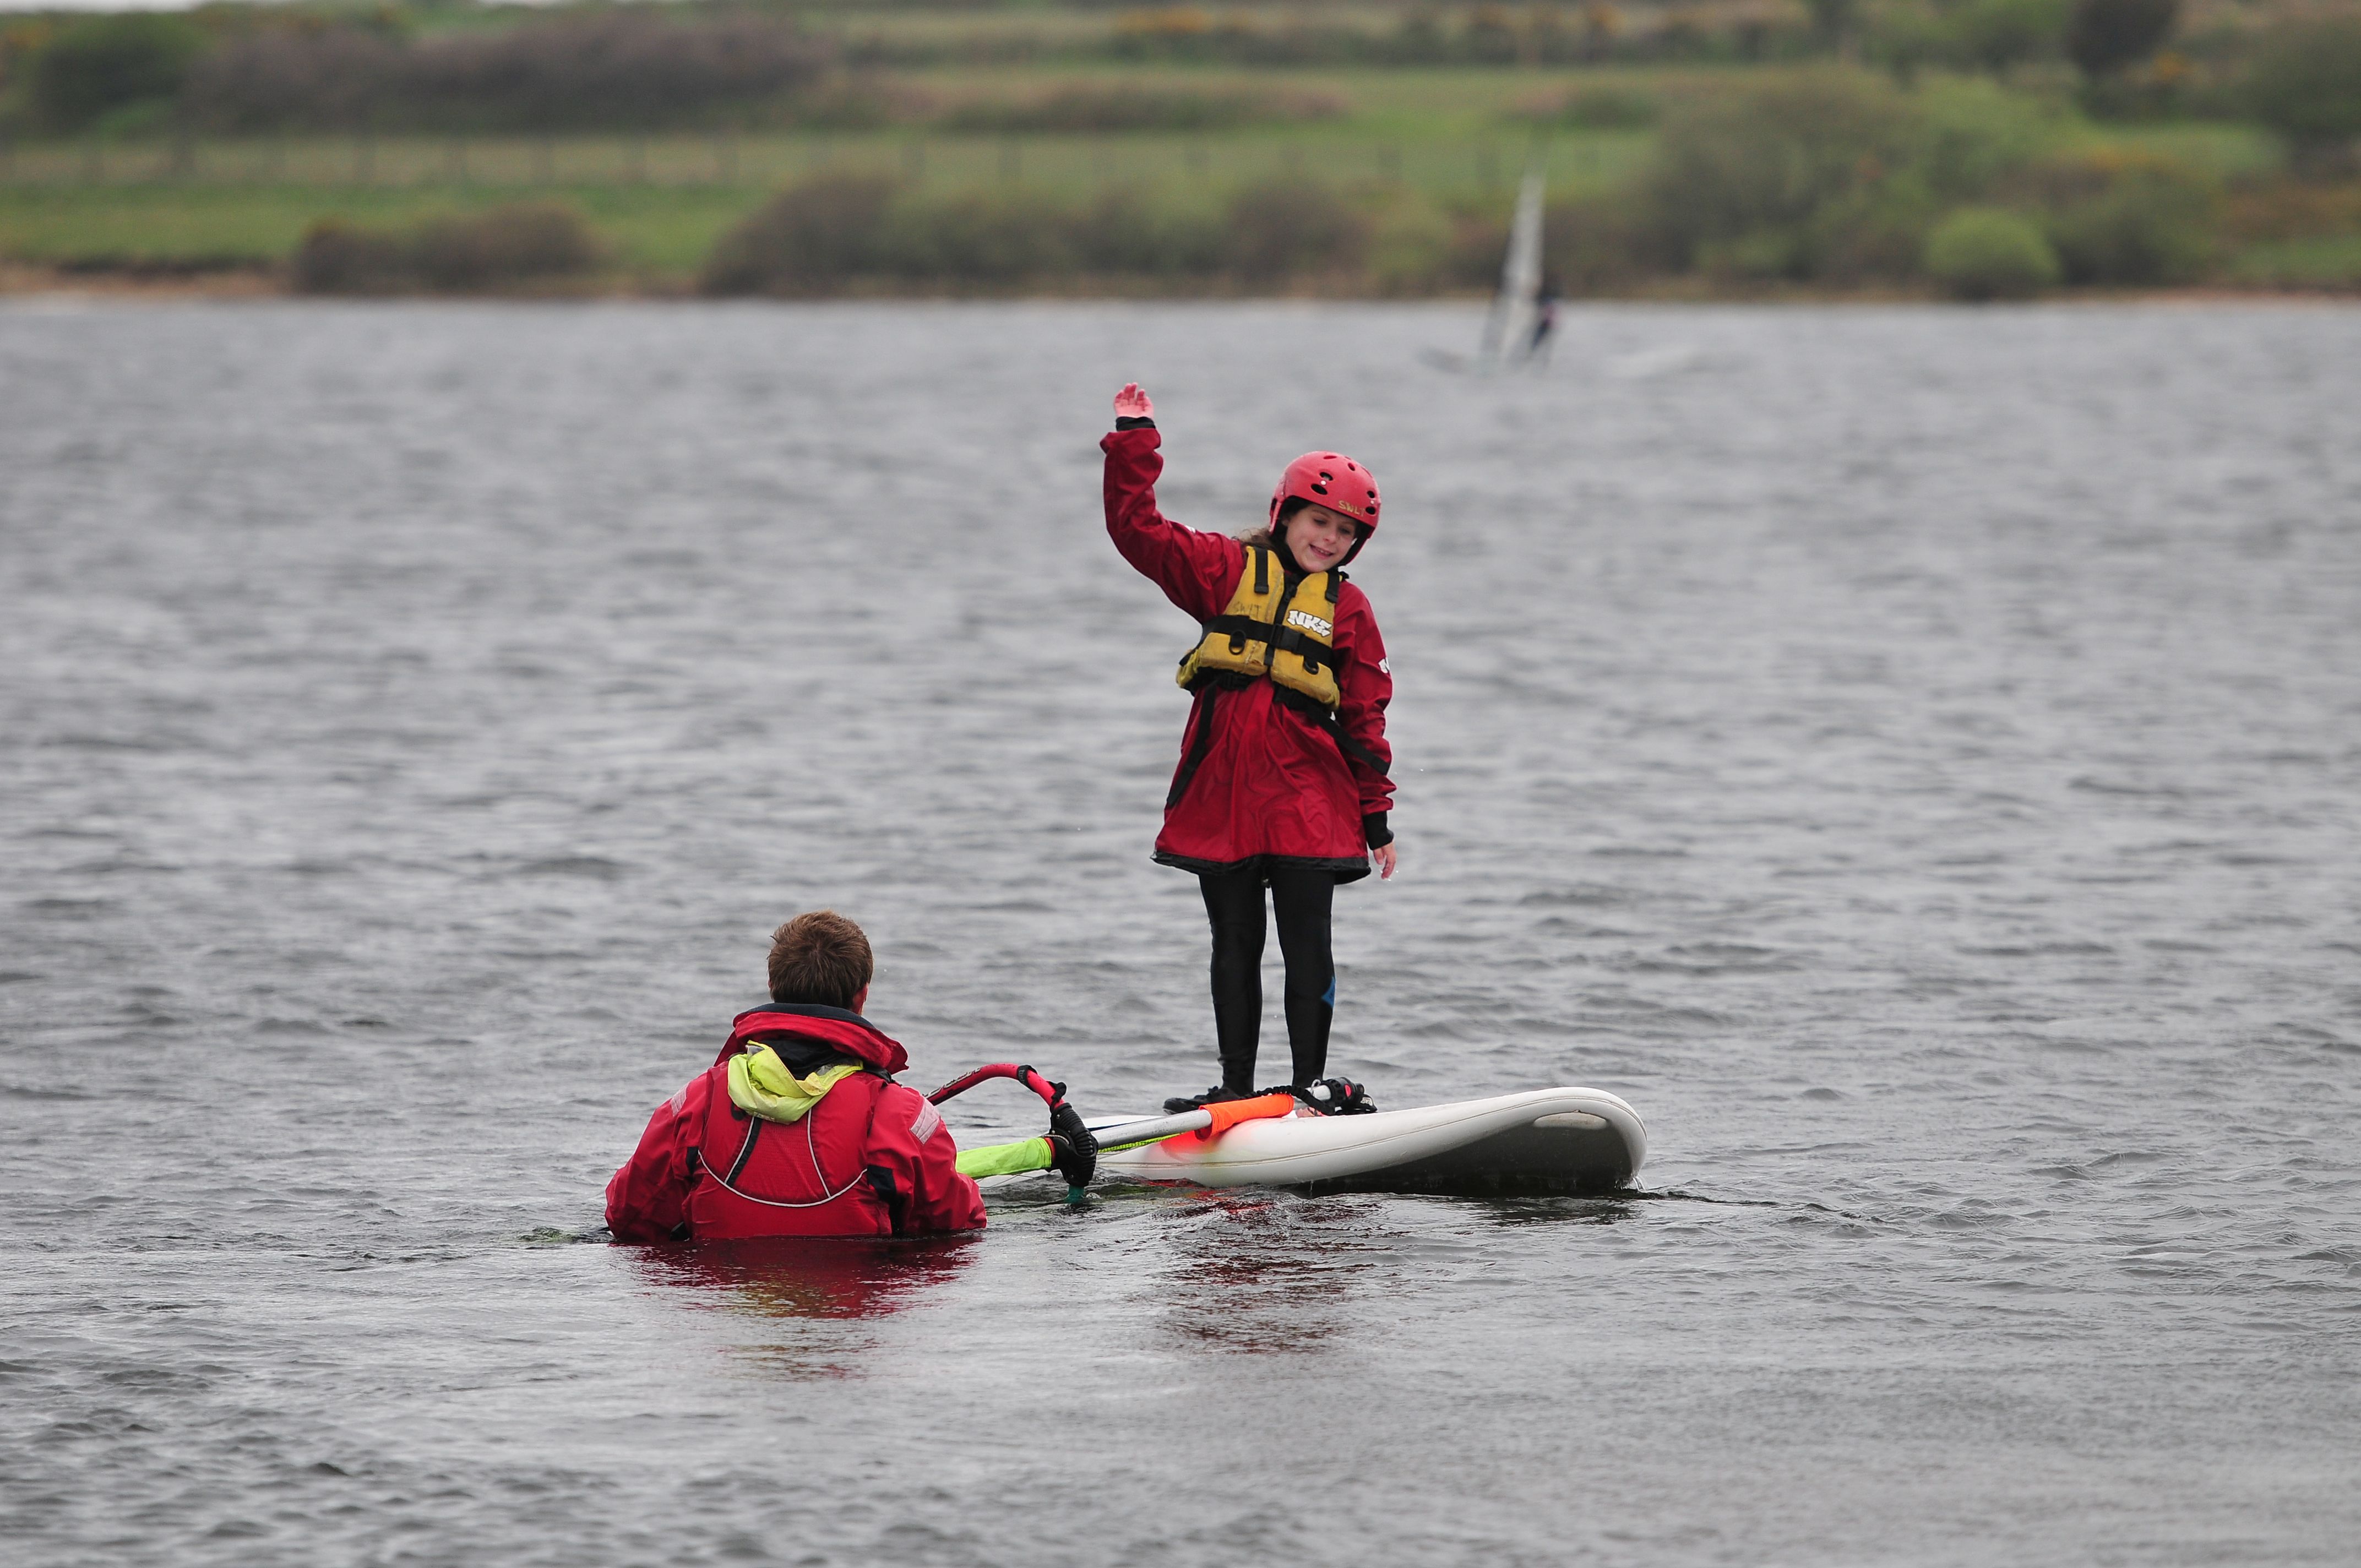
254,281
1425,162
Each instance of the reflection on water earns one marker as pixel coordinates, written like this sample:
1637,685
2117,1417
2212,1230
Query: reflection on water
1510,1213
811,1304
1265,1271
835,1277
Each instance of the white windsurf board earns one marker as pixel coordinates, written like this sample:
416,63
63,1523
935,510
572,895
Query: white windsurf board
1542,1140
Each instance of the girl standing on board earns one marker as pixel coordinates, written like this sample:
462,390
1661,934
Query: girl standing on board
1282,777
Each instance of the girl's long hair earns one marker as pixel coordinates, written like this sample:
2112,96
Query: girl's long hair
1260,533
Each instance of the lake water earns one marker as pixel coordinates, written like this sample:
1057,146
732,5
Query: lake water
1911,754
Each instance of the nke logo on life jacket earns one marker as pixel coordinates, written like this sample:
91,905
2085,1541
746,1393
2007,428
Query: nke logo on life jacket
1273,626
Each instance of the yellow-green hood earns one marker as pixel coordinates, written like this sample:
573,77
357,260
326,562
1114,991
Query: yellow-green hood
761,1085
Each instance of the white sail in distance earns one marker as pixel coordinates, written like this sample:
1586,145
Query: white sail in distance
1511,318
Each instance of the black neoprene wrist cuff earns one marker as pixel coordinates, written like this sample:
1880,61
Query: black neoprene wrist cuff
1127,422
1374,829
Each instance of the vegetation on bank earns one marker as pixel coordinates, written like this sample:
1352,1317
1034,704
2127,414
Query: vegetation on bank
519,245
1984,149
1830,178
448,66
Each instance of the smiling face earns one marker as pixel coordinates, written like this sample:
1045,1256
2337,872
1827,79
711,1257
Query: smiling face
1317,538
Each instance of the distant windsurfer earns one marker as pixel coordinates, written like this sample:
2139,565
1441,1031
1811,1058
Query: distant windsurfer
1544,320
1283,780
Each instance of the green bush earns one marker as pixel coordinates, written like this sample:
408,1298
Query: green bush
993,240
2107,35
501,248
2123,217
1877,232
1592,244
1997,34
836,233
1410,249
565,73
1965,35
2150,225
813,238
336,256
1090,109
1605,109
2305,83
521,242
1122,232
1829,176
1768,157
101,64
1986,253
1975,133
1283,228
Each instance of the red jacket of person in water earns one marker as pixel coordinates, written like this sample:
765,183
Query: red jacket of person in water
871,1159
1271,781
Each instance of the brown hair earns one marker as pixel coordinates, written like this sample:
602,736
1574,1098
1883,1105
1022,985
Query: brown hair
820,957
1263,532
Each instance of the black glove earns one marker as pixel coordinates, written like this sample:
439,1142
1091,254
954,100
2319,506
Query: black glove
1074,1152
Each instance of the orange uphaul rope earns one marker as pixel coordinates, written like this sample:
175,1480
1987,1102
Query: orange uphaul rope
1228,1113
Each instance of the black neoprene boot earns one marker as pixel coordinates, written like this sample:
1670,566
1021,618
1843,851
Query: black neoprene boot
1212,1096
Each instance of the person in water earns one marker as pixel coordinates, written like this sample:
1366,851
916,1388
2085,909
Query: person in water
1545,319
1282,781
799,1128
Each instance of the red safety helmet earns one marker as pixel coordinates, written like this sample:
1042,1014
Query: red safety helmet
1332,480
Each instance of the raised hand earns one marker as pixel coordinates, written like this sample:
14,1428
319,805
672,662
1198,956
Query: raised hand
1133,403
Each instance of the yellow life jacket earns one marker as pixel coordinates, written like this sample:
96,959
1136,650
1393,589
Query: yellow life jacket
1269,630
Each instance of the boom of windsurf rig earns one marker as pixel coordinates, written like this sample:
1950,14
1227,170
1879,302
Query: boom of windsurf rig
1071,1148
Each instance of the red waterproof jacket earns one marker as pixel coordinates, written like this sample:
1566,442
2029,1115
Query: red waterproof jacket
872,1159
1257,778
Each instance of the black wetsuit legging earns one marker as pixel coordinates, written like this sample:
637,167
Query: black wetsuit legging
1301,896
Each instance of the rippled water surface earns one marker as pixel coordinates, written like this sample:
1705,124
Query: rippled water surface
1909,754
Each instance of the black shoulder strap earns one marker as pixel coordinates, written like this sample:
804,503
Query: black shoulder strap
1335,729
1199,744
745,1150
